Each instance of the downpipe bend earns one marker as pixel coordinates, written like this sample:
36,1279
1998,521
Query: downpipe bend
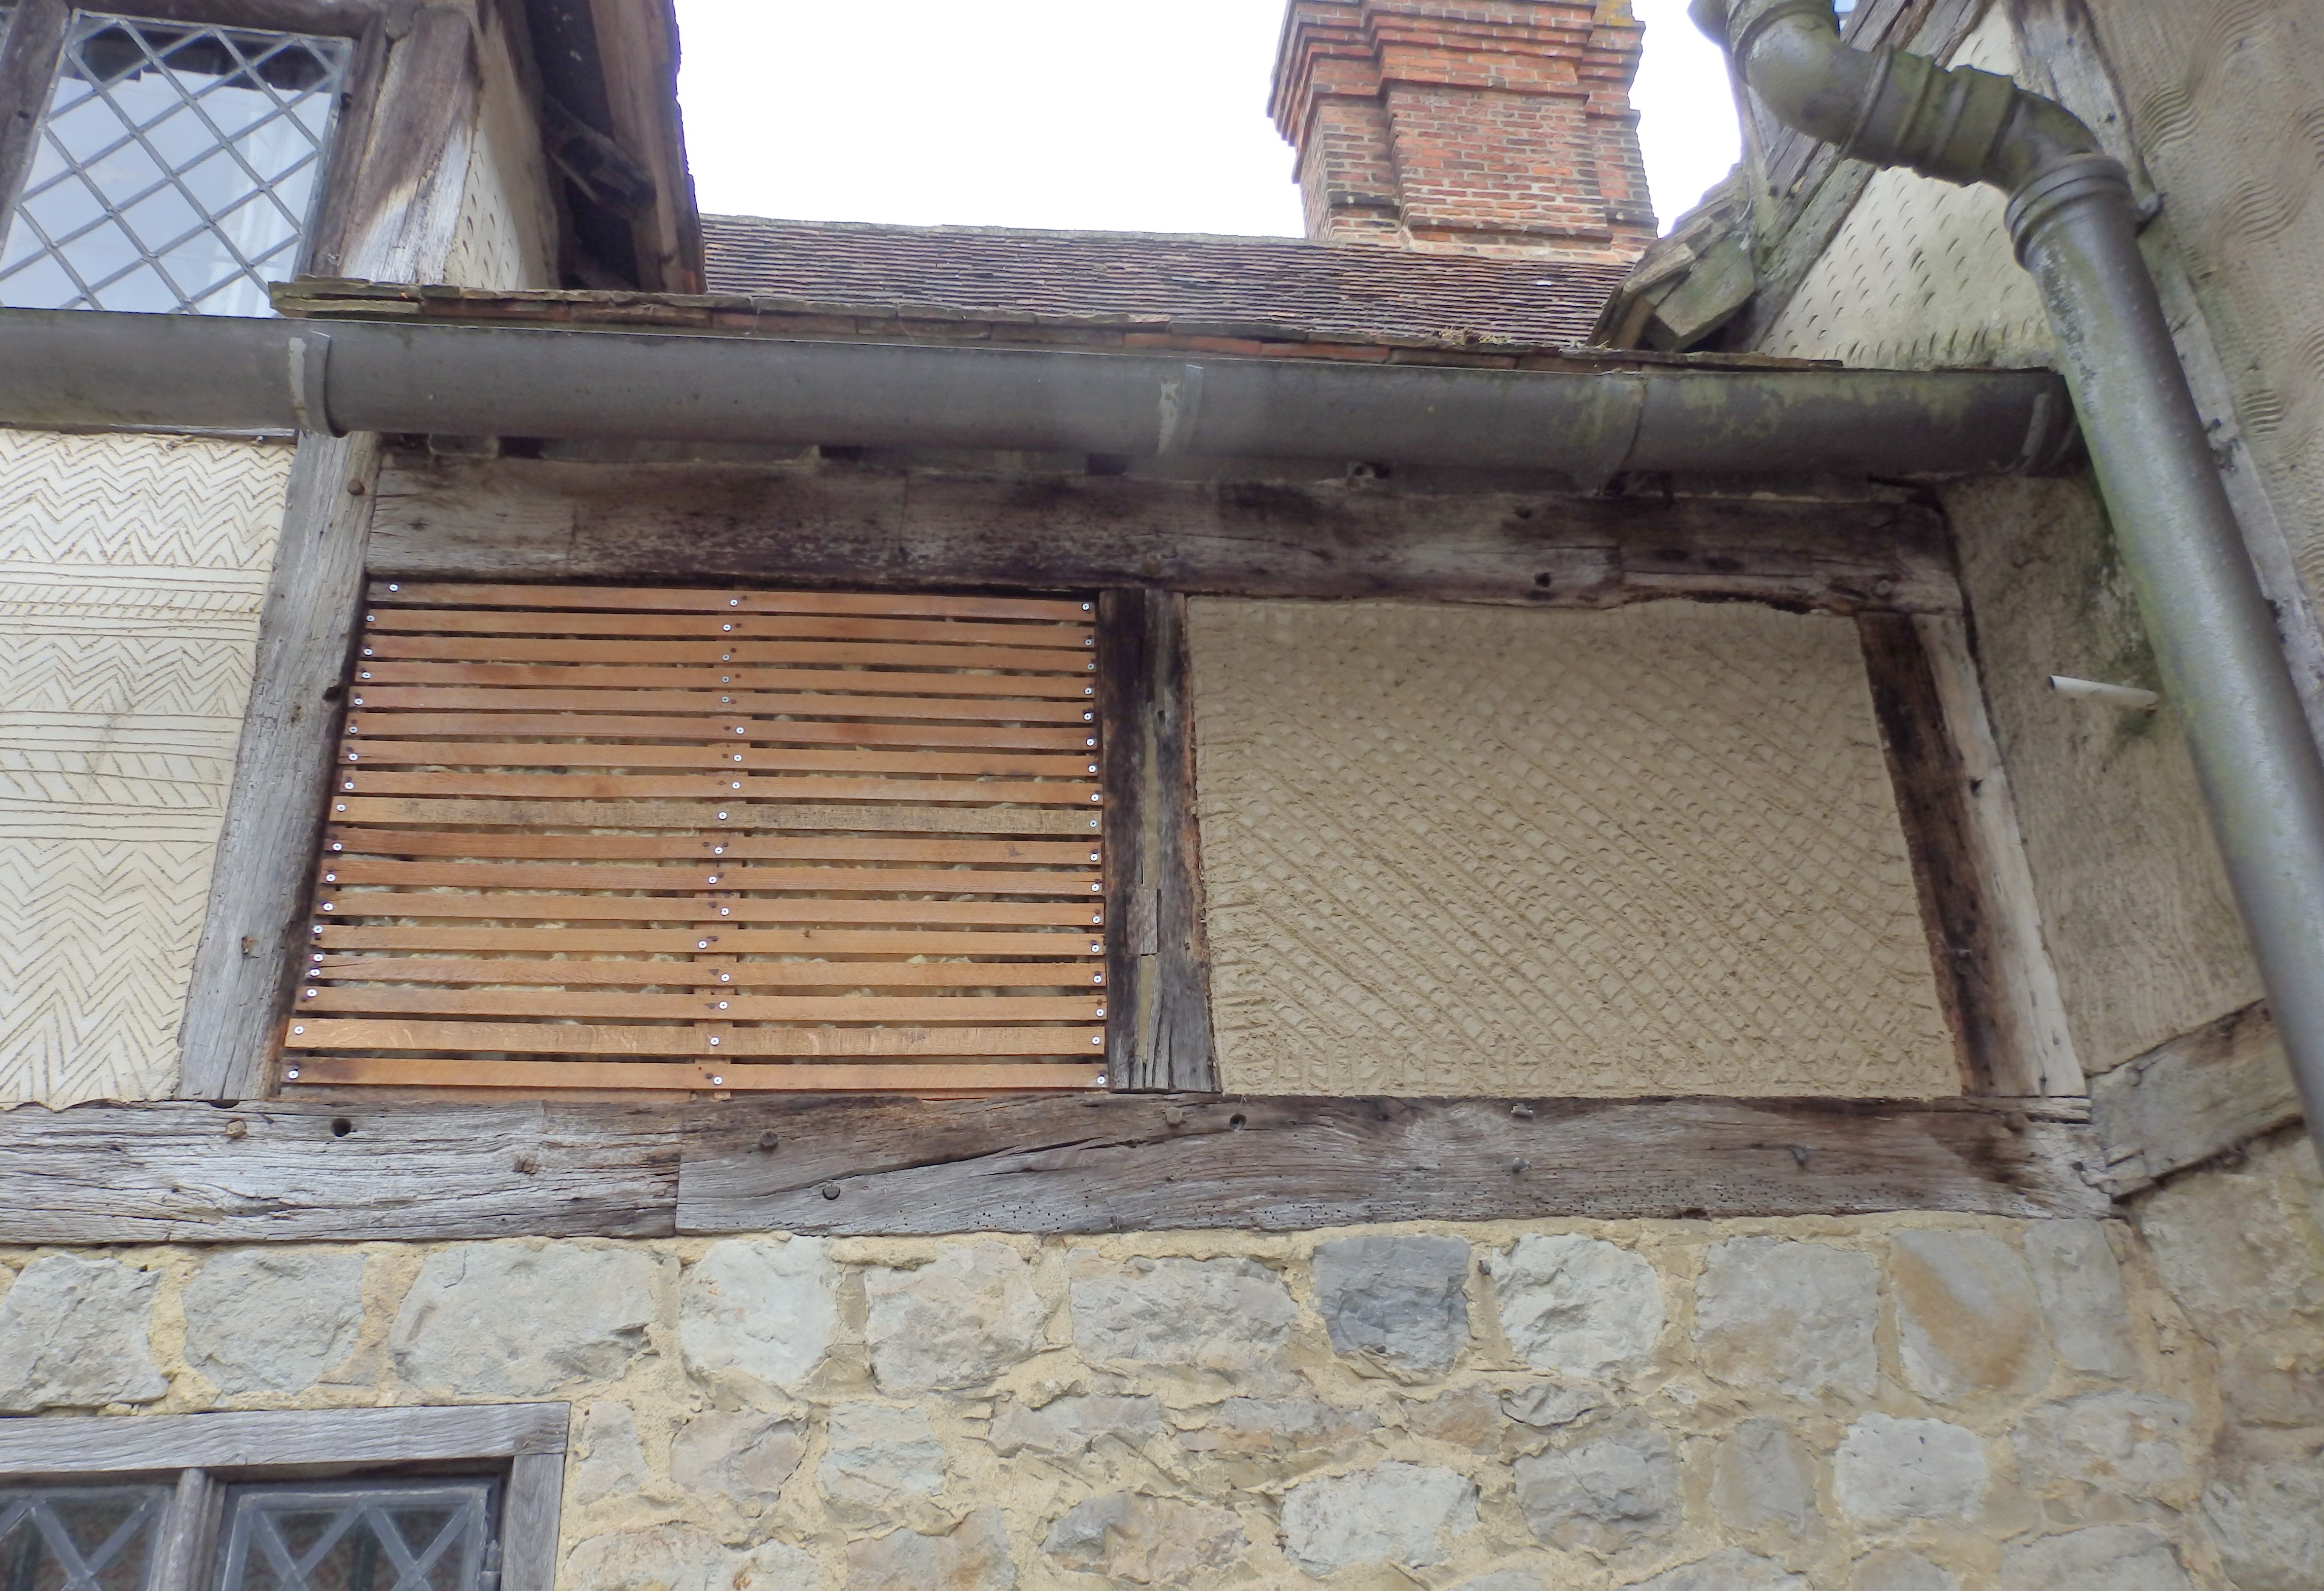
2073,225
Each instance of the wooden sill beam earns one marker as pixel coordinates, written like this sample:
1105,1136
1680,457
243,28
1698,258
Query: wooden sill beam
316,1171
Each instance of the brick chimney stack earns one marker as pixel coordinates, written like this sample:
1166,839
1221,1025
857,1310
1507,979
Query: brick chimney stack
1499,128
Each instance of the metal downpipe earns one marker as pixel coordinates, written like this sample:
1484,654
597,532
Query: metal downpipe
2214,633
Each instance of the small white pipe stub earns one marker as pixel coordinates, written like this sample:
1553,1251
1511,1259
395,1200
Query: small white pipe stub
2114,695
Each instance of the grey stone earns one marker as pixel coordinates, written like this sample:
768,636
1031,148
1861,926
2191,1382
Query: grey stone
486,1318
2116,1557
1549,1406
1399,1302
1511,1580
1275,1425
1226,1315
1578,1306
755,1313
1970,1323
876,1454
1134,1538
1889,1470
1733,1569
973,1556
612,1462
957,1322
1070,1425
2267,1521
2079,1285
681,1558
1762,1477
272,1320
74,1334
1393,1512
1611,1491
1795,1317
1896,1569
743,1457
2117,1441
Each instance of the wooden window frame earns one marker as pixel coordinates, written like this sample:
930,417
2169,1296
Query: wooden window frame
203,1454
35,39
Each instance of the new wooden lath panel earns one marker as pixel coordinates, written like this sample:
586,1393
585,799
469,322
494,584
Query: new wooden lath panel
713,839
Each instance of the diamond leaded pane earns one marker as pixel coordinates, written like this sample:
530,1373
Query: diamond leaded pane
176,167
78,1538
373,1536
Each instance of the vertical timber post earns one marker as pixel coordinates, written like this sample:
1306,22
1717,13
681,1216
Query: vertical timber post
1157,962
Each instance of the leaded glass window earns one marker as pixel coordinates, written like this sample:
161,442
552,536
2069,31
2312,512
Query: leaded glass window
418,1536
176,167
78,1538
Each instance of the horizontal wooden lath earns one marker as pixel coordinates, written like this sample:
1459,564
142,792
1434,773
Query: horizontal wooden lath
584,838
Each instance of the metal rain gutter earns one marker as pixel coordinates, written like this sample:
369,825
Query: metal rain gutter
2070,217
86,368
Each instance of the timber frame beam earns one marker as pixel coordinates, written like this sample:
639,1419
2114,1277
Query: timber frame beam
418,1170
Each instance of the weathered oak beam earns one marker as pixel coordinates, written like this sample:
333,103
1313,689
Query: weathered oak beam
2191,1097
514,519
285,1171
1158,965
1118,1163
417,1172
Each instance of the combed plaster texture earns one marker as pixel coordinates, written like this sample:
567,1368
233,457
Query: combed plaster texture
1690,1406
1456,850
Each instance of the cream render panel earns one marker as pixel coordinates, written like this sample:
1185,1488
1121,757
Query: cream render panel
132,569
1476,851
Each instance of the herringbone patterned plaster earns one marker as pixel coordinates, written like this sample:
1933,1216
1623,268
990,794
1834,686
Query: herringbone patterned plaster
1466,850
130,573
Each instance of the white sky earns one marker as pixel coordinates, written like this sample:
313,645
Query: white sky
1061,113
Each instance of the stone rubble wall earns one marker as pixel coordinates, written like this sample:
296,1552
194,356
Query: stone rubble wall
1908,1402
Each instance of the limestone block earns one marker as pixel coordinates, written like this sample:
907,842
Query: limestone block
612,1462
1550,1405
957,1322
272,1320
2267,1521
73,1335
756,1313
1276,1425
743,1457
1797,1316
1889,1470
1134,1538
1394,1512
1399,1302
1733,1569
2116,1557
2079,1285
485,1319
876,1454
2117,1441
1612,1490
1762,1477
1469,1418
1896,1569
1226,1315
1578,1306
1071,1425
973,1556
1969,1320
681,1558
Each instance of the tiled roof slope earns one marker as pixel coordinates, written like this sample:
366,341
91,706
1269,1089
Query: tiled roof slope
1230,286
